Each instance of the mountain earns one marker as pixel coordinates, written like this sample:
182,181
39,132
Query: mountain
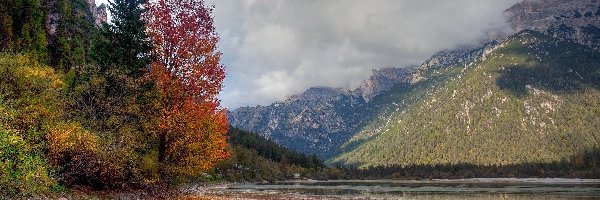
531,98
567,19
526,98
319,120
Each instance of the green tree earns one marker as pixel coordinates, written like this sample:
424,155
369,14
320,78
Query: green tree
124,43
111,96
22,27
72,30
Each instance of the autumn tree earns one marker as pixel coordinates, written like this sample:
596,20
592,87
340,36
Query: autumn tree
192,130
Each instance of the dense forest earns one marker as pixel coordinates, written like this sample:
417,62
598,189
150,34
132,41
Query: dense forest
583,165
114,105
255,158
110,105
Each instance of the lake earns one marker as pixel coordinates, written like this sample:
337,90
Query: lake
417,189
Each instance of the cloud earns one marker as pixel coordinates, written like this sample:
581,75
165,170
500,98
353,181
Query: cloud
275,48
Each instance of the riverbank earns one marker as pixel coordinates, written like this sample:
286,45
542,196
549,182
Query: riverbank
188,192
478,188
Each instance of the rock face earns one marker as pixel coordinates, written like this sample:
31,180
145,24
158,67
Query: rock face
578,20
101,14
382,80
458,56
319,120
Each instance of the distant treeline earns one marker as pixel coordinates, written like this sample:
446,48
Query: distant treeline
583,165
255,158
271,150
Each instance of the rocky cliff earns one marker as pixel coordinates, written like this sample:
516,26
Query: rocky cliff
578,20
99,12
320,119
382,80
96,14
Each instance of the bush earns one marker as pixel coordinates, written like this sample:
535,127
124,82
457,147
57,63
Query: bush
28,100
30,90
22,172
82,159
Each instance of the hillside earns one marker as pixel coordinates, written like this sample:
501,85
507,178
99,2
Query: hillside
531,98
319,120
568,19
534,103
254,158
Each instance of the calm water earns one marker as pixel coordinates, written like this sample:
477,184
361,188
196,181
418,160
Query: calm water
431,189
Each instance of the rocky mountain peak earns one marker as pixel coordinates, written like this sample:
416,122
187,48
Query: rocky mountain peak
99,12
540,15
382,80
319,119
578,20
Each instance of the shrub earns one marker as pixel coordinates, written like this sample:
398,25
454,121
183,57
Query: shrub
28,99
22,171
31,90
81,159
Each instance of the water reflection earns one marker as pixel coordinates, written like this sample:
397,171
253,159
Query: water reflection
434,189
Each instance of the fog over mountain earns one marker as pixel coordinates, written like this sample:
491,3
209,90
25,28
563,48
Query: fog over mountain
277,48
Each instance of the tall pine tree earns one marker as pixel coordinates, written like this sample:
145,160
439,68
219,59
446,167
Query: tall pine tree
124,43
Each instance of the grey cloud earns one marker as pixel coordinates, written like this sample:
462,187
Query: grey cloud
275,48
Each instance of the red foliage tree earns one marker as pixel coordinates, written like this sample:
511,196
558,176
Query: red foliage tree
192,130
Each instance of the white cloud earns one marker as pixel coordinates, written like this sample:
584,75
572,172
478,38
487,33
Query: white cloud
275,48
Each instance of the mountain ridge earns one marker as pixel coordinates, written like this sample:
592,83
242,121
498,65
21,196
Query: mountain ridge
318,120
370,116
505,109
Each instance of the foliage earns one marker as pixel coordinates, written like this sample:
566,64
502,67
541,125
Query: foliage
86,159
72,31
101,118
581,165
271,150
188,76
23,172
246,165
124,43
28,101
113,99
29,95
254,158
22,27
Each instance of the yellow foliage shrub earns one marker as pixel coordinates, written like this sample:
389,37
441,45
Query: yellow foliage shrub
81,158
69,138
29,88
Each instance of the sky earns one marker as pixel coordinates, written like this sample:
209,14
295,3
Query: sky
276,48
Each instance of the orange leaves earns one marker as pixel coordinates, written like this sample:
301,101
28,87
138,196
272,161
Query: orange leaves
192,128
65,139
84,159
185,46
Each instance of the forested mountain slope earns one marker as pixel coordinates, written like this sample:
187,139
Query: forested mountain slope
531,98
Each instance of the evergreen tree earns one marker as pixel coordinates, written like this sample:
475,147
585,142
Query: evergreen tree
22,27
124,43
75,30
